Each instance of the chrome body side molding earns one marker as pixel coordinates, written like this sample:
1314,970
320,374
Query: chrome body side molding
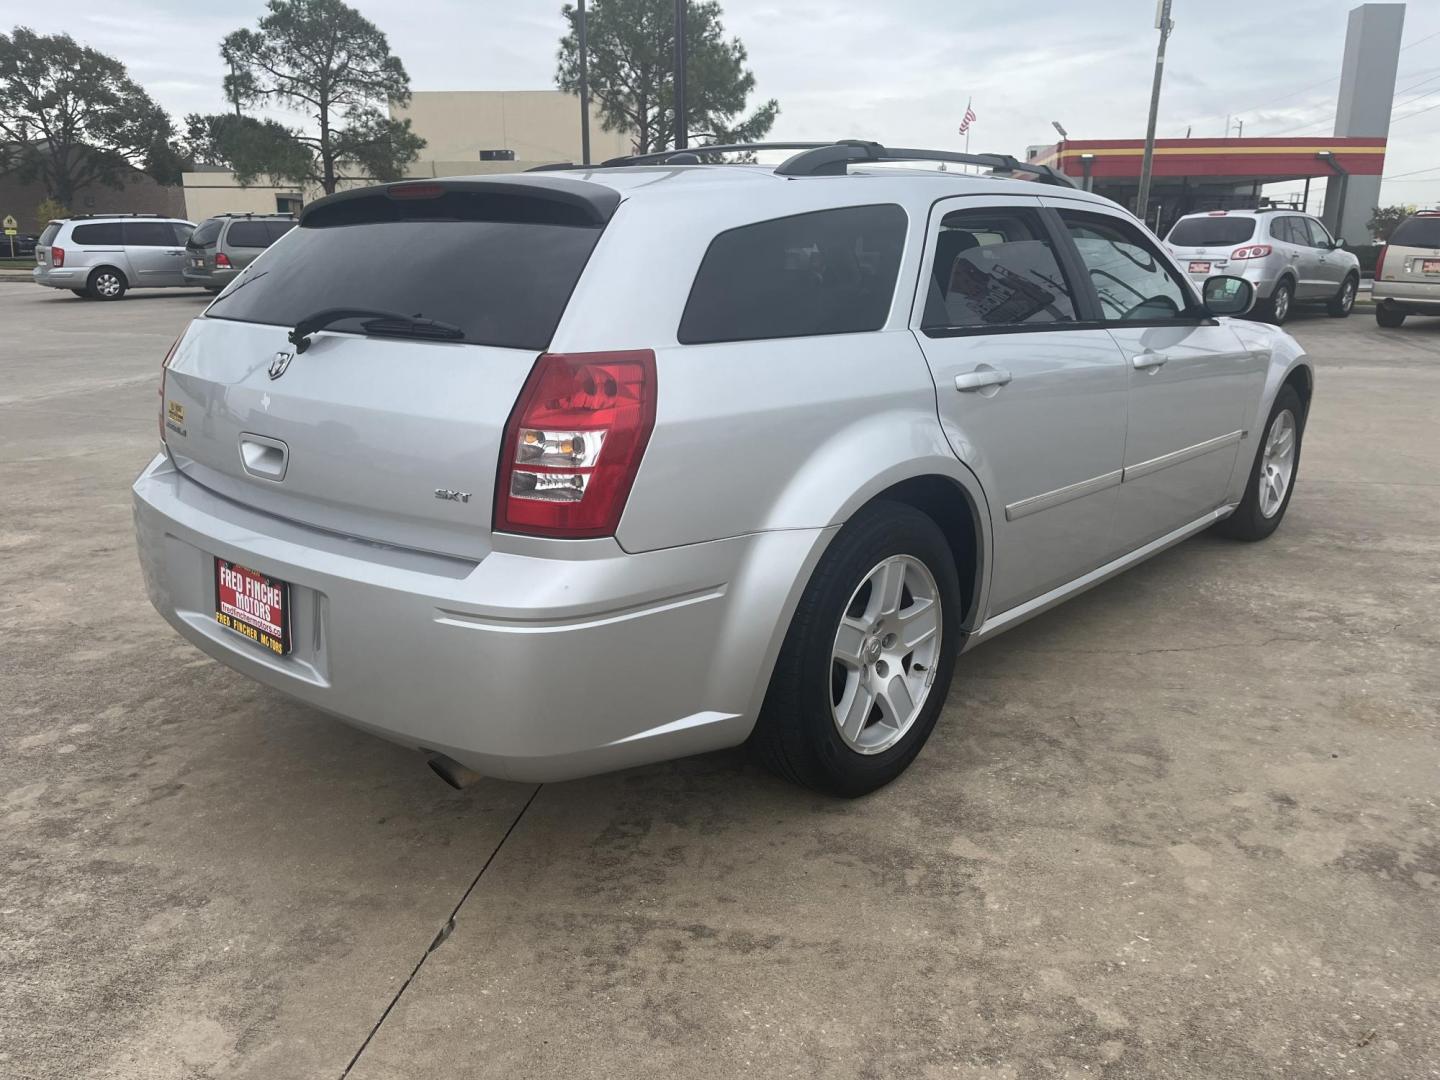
1175,457
1036,503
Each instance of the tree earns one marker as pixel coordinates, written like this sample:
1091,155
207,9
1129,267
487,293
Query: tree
247,146
50,210
72,117
1385,219
324,59
631,52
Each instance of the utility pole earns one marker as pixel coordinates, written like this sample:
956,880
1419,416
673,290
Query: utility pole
584,84
681,141
1164,25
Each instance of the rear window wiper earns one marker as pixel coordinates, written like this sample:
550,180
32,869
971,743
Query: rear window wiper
386,323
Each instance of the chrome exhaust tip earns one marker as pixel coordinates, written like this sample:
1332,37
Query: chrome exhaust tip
451,771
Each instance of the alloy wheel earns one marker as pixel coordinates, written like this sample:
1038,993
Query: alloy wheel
107,285
1277,463
1282,304
886,651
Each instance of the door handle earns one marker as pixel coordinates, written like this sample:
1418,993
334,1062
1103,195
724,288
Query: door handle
1149,361
264,457
978,380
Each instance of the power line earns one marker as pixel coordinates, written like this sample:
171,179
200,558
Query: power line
1412,172
1417,112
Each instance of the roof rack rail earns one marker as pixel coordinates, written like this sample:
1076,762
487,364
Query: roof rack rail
832,159
78,217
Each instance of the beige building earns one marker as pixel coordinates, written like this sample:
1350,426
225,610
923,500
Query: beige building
537,126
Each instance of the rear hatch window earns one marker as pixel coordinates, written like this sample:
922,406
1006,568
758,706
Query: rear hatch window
1211,231
205,234
1423,232
48,236
500,269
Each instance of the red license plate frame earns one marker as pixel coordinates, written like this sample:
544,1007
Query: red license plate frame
246,602
1199,267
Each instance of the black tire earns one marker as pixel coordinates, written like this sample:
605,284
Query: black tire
1249,522
1278,307
1389,316
1343,301
106,283
796,735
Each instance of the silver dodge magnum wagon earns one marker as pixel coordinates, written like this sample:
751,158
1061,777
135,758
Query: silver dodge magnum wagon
559,472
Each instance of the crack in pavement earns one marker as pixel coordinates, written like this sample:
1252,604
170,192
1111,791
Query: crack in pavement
441,935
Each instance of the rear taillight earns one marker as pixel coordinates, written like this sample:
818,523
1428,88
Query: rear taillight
164,366
1380,262
57,256
1251,251
573,443
222,260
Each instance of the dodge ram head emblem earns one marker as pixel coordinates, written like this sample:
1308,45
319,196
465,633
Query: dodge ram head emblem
280,363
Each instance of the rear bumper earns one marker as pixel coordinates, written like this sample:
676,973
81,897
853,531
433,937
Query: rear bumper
1418,296
520,666
60,277
210,279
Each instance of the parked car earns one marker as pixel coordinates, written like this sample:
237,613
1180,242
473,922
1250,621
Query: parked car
18,246
222,246
103,256
666,469
1407,272
1289,257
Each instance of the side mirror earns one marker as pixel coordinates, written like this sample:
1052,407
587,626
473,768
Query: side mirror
1226,295
1339,243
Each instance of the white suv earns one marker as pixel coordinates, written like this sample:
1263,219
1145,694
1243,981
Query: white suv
1289,257
103,256
561,472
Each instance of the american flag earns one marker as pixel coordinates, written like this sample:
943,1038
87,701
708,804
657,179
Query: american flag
969,119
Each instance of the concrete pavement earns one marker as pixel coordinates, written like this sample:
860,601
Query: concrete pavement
1184,826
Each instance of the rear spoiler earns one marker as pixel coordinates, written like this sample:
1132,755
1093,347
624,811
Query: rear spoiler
560,200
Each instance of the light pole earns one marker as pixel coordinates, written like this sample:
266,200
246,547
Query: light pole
1164,25
580,30
681,142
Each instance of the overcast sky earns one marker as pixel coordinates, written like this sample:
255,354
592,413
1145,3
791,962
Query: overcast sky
898,71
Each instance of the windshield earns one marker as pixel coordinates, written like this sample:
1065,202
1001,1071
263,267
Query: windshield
1211,231
501,283
1417,232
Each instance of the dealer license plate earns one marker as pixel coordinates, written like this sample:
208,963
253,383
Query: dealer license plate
1430,266
1199,268
253,605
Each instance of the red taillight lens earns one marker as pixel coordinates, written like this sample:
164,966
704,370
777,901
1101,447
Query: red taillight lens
573,444
222,261
57,256
1380,262
164,366
415,191
1251,251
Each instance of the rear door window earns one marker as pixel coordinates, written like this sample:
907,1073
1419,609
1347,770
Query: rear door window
248,234
825,272
502,282
99,234
1421,232
148,234
995,268
1211,231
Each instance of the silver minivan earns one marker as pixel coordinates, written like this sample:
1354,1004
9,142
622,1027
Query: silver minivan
1407,272
103,256
1289,257
559,472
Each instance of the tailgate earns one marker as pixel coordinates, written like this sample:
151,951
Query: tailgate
356,435
386,429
